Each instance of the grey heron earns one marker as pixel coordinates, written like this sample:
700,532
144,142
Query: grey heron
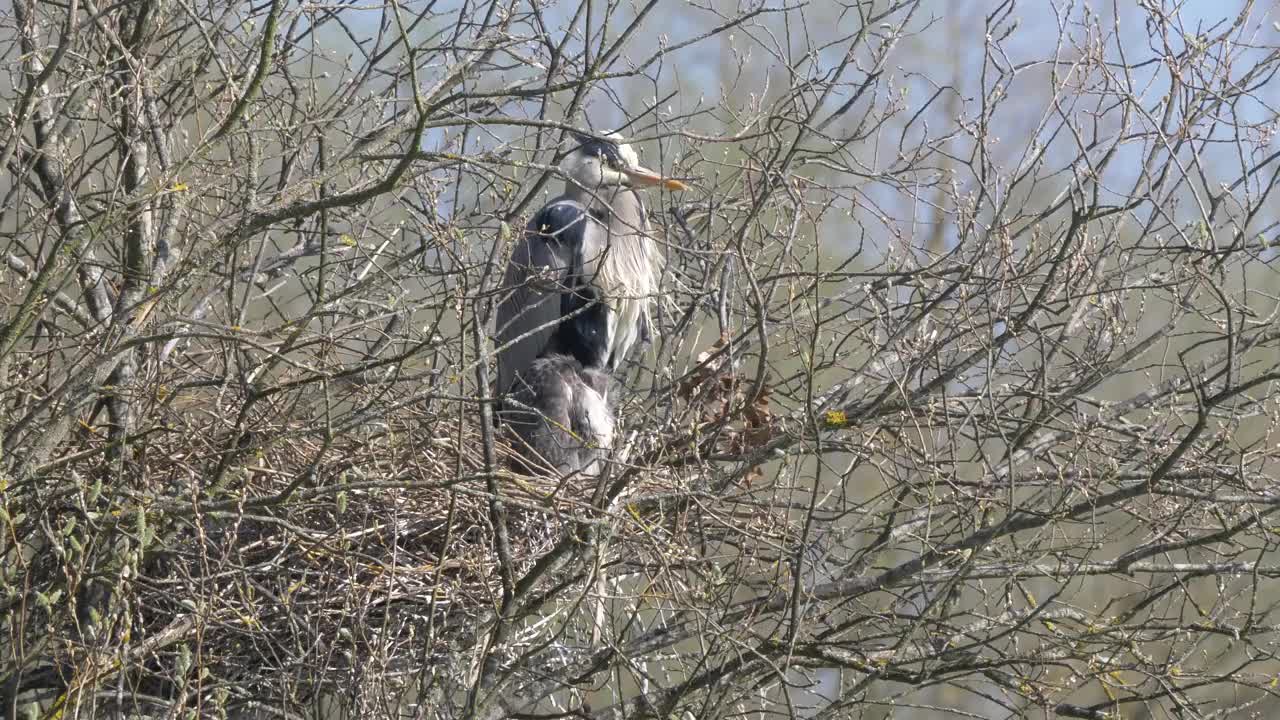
597,231
559,412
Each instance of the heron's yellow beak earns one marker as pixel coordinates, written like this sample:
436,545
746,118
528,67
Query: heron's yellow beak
644,177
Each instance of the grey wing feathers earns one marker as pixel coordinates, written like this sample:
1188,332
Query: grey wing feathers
539,418
523,310
546,255
592,420
559,419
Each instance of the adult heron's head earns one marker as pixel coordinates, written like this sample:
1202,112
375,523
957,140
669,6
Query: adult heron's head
610,162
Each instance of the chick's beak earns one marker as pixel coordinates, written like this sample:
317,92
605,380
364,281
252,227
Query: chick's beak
644,177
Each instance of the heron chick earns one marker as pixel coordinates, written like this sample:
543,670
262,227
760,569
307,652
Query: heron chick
559,414
596,233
